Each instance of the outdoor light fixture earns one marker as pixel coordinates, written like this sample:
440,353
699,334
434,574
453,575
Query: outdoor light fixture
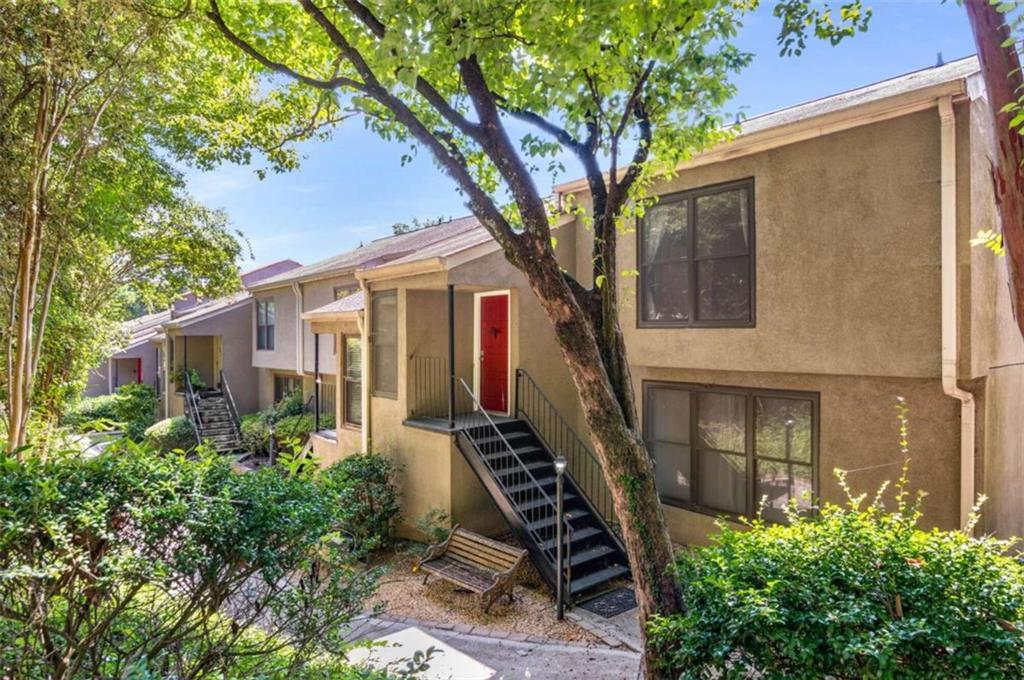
560,464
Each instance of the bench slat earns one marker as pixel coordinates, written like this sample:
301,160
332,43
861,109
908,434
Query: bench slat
498,556
474,554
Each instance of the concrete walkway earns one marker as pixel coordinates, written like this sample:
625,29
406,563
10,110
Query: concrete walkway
481,654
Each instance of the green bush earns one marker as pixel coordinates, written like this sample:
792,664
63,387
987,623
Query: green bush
171,434
128,565
290,404
854,592
135,409
363,490
91,409
255,434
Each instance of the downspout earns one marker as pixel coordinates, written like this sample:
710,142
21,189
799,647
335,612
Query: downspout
364,357
300,347
950,301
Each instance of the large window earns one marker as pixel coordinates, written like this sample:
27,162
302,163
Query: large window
724,449
353,381
265,318
696,258
384,336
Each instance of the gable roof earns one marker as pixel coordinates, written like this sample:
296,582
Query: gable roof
374,253
346,305
888,98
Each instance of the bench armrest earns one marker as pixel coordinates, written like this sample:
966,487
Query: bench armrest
436,550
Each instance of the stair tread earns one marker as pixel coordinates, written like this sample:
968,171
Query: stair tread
578,535
496,439
590,554
597,578
520,451
514,469
543,481
550,520
541,501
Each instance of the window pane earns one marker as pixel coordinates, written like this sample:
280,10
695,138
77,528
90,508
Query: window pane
353,358
783,428
385,342
777,483
723,224
671,470
666,232
667,291
271,313
723,289
670,415
261,313
722,481
721,422
354,402
270,337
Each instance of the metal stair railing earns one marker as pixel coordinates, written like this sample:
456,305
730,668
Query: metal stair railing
533,406
500,458
236,420
192,408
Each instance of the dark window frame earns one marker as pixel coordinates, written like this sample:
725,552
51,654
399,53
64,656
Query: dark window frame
348,379
691,195
265,331
751,456
374,344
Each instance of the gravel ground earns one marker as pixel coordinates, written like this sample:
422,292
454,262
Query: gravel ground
402,593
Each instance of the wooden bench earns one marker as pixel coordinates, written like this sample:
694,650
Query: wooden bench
474,562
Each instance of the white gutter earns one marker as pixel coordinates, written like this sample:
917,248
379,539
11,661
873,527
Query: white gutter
300,345
950,300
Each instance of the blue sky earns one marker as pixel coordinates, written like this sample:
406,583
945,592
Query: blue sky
353,188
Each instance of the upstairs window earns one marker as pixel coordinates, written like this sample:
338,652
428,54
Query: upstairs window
384,336
724,449
265,319
696,258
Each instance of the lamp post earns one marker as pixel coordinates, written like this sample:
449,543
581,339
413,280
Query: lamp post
559,520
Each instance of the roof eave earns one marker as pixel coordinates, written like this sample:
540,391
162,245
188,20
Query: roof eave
801,130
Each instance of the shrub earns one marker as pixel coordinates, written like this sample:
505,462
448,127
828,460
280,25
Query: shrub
135,409
363,490
89,410
290,404
852,592
171,434
135,565
255,434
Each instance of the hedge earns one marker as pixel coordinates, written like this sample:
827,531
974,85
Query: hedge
852,592
171,434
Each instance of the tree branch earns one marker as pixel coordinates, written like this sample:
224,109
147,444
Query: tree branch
278,67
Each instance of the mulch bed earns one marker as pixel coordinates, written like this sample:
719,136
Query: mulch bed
403,594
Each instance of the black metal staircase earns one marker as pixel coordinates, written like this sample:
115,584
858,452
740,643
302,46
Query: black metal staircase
517,468
214,417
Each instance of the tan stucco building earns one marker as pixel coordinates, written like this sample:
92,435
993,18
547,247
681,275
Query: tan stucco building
793,284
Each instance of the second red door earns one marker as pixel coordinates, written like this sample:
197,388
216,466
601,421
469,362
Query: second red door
494,352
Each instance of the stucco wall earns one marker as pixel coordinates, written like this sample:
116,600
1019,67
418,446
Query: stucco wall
283,356
234,326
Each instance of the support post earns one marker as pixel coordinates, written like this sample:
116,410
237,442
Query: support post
451,356
316,382
560,463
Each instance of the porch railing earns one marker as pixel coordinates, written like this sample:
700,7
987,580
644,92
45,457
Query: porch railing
533,406
428,389
328,400
236,420
192,408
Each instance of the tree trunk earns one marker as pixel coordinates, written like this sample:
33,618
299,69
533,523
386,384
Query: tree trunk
1000,67
619,447
21,343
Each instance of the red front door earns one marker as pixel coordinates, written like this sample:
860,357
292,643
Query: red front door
494,352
